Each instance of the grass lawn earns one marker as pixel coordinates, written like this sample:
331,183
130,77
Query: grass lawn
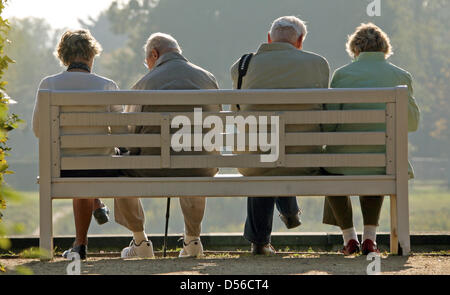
429,211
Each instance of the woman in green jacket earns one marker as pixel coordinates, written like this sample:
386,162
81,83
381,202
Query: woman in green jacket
370,48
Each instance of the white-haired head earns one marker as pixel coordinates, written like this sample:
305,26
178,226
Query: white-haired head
288,29
162,43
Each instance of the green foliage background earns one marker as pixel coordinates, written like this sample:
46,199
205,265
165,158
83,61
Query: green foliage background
8,122
214,34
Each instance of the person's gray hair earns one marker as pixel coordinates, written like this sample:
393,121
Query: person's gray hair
162,43
288,29
79,44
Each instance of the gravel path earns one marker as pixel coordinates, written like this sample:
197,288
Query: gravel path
242,263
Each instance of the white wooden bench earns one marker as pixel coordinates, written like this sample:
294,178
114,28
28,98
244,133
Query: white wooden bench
393,184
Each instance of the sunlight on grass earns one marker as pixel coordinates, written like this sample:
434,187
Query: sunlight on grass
429,212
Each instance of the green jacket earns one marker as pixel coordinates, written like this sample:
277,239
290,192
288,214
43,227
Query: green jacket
370,69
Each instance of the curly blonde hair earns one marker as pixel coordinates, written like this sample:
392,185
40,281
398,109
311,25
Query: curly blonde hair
369,38
75,45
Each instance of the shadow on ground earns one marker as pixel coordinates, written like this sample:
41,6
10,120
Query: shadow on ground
240,264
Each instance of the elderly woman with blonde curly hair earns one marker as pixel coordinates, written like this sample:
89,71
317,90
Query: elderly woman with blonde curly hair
370,48
76,51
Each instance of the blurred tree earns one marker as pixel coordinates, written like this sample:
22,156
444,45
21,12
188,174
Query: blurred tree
422,45
101,29
214,33
32,46
8,122
130,18
32,49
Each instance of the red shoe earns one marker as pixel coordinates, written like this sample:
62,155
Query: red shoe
369,246
351,248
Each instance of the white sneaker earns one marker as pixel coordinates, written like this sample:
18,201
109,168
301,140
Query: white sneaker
193,248
143,250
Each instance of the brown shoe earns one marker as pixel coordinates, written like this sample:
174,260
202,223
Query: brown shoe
352,247
291,221
263,249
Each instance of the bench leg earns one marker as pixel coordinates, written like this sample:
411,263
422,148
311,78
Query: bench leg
403,223
394,229
45,227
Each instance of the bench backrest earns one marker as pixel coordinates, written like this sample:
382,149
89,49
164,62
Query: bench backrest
53,119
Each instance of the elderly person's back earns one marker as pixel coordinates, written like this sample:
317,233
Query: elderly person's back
77,78
280,64
173,71
170,70
76,51
370,47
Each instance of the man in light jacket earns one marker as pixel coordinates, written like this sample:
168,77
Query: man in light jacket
280,63
169,70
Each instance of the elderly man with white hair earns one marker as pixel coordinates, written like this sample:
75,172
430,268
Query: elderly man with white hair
279,63
168,70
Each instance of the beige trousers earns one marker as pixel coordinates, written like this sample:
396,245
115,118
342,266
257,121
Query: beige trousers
129,213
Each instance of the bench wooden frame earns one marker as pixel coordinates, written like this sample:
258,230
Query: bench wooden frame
393,184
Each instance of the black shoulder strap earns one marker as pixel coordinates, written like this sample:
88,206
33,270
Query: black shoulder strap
244,62
243,67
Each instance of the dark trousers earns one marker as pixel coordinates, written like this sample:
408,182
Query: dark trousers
258,225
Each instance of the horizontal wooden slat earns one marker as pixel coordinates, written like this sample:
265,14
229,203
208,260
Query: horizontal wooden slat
216,97
335,117
153,162
223,186
335,138
336,160
105,162
220,178
303,117
108,119
292,139
218,161
290,117
122,140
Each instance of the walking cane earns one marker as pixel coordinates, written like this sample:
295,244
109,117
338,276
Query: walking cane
167,227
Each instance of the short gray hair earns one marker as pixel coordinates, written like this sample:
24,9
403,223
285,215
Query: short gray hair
162,43
75,45
288,29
